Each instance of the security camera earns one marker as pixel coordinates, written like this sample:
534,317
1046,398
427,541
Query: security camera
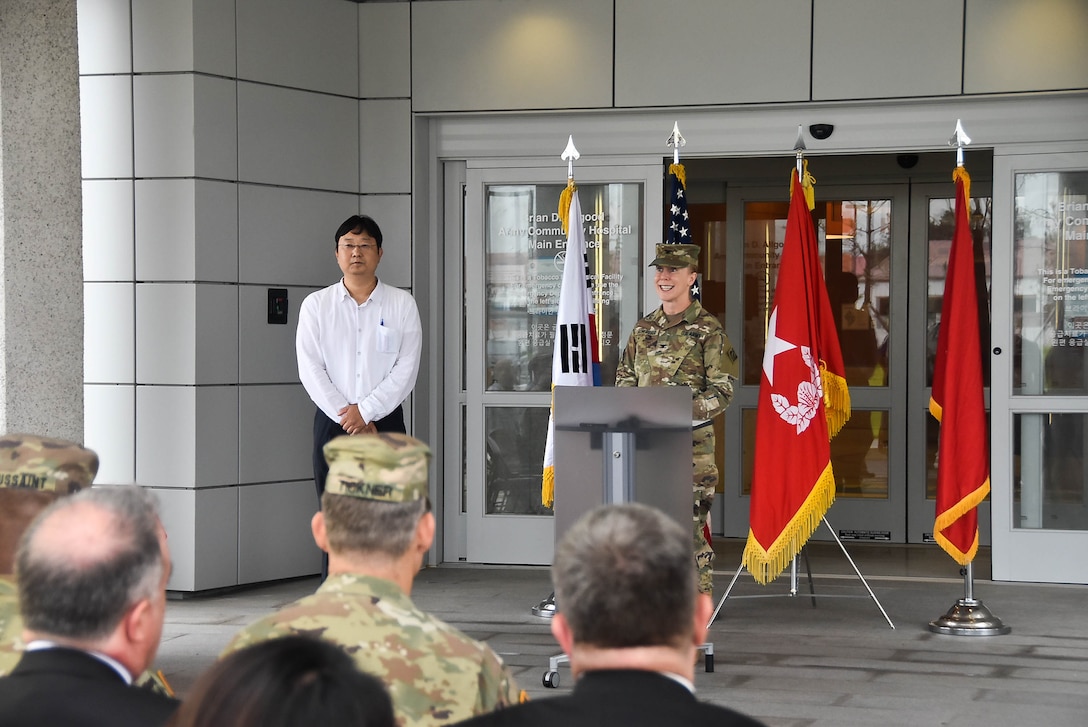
821,131
907,161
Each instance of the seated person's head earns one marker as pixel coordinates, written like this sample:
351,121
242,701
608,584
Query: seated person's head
375,499
92,572
34,471
293,680
624,576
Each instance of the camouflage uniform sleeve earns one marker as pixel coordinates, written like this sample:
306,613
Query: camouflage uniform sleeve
625,371
719,364
497,686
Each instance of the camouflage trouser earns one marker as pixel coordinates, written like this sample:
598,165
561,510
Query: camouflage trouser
704,481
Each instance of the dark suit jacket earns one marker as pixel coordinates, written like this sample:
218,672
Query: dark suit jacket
629,698
67,688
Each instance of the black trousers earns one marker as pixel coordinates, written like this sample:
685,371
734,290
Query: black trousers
326,429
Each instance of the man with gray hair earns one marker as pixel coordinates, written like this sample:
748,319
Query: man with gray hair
92,572
630,617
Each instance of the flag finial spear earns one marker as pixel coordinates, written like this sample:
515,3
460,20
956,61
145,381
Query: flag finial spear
959,140
799,147
569,155
676,140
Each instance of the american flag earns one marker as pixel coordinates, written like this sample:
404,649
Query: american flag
679,224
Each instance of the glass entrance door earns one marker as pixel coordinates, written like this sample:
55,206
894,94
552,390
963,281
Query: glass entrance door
862,233
514,255
1040,354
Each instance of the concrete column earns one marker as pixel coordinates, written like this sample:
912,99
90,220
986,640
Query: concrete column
41,258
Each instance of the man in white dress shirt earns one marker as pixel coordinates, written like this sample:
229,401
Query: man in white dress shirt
358,344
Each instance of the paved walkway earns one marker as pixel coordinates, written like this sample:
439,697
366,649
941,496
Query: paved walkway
776,657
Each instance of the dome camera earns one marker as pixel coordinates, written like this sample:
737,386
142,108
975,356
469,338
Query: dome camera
821,131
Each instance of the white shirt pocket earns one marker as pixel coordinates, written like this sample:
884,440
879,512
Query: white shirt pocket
388,340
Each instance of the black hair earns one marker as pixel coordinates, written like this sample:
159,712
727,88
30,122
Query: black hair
359,224
287,681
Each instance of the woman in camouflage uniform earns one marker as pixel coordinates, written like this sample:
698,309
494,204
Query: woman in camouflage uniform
680,344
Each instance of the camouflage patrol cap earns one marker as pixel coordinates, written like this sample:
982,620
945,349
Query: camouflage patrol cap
33,462
386,466
670,255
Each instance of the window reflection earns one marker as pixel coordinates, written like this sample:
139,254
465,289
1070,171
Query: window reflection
942,223
859,455
855,245
524,260
514,459
1050,284
1050,486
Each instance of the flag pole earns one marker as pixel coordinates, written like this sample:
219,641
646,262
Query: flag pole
968,616
799,147
546,608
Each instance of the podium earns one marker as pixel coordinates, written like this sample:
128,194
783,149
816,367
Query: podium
616,445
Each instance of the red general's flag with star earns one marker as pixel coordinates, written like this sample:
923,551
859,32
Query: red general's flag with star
575,356
963,459
803,402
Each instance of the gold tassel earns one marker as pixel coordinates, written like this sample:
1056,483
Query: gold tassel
547,489
564,202
681,174
961,173
808,184
836,400
766,565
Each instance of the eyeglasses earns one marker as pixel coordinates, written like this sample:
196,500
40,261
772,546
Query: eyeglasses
365,247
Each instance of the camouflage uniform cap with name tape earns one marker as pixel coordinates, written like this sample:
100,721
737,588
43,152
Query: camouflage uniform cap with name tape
386,466
33,462
671,255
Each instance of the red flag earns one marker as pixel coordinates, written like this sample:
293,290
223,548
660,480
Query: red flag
803,401
963,459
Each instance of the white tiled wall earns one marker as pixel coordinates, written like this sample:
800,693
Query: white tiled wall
275,433
266,353
393,214
109,336
274,534
109,426
105,38
202,533
297,138
385,58
105,111
320,33
302,249
187,230
108,237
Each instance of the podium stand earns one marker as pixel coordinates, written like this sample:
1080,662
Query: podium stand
616,445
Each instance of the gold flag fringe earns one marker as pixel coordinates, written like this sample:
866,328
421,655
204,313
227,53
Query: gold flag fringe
836,400
681,174
564,202
766,565
808,184
954,513
547,488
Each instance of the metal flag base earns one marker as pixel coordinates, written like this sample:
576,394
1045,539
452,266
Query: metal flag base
969,617
546,608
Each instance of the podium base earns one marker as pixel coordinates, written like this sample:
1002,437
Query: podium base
969,617
546,608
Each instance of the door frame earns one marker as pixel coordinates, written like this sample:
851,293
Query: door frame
504,538
1020,554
